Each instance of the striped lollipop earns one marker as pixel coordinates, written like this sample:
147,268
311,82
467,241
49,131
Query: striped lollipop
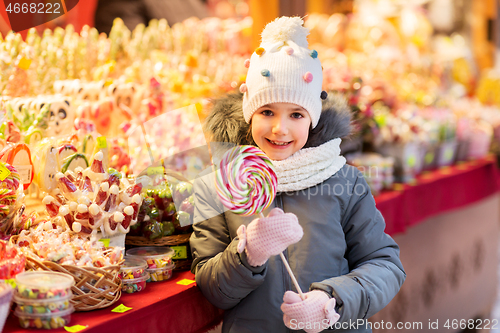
12,181
245,181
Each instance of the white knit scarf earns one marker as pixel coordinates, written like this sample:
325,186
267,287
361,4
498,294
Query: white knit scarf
309,166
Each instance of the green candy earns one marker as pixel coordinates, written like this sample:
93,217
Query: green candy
40,309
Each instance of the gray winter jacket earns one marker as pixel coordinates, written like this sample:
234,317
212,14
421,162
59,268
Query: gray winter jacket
344,250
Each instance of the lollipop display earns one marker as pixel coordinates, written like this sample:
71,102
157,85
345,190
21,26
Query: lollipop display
246,184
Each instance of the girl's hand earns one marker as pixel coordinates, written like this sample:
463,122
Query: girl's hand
269,236
313,314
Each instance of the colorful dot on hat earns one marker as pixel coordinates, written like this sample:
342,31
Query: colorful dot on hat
243,88
308,77
265,72
247,63
324,95
260,51
314,54
289,50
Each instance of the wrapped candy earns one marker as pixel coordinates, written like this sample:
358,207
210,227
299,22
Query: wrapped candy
102,195
11,261
52,206
67,187
66,247
114,190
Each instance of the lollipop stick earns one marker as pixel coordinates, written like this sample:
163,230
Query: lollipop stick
292,276
294,280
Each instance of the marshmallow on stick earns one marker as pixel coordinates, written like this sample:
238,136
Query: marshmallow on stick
93,198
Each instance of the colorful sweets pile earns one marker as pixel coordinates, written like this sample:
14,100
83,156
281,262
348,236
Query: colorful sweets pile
42,306
158,259
44,285
46,321
377,170
134,275
167,209
11,261
43,299
66,248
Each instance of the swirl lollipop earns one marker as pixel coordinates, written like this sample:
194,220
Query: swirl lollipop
12,181
246,184
246,181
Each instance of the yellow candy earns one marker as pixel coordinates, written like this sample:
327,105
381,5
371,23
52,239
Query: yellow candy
160,263
25,323
56,322
38,323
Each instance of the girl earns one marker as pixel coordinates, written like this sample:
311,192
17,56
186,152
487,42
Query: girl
332,233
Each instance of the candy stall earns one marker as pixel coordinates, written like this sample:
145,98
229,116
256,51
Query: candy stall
101,139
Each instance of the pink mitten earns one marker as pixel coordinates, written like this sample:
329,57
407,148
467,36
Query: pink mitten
268,236
313,314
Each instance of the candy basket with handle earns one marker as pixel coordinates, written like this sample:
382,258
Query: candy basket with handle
95,287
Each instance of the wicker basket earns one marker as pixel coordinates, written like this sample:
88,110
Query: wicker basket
101,286
163,241
183,264
183,239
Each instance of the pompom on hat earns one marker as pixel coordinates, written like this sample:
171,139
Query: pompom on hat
284,70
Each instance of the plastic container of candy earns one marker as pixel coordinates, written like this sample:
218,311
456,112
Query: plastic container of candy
156,257
133,268
42,306
6,292
44,285
131,286
44,320
161,274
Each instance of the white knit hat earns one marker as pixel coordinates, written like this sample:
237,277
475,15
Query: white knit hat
284,70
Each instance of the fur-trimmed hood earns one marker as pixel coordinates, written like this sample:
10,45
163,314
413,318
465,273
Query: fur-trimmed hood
225,123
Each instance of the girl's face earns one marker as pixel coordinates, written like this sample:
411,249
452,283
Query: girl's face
280,129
